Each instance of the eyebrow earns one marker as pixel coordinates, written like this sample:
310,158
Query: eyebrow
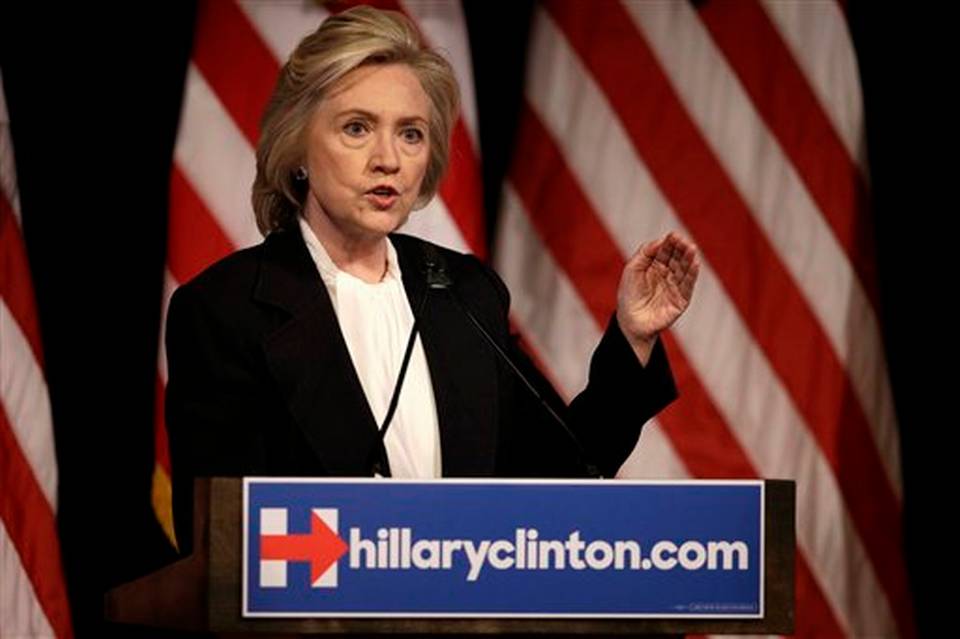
371,116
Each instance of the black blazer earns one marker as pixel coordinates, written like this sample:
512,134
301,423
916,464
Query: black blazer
261,382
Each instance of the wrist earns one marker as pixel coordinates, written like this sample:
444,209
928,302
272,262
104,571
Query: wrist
641,343
642,347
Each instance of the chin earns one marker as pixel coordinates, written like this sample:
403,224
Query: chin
389,221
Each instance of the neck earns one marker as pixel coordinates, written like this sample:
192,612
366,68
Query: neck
364,257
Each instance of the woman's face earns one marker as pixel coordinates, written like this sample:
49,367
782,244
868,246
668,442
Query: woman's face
367,150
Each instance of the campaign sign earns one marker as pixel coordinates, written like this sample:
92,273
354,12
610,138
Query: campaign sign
495,548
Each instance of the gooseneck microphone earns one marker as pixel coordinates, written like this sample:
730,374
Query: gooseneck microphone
439,279
379,463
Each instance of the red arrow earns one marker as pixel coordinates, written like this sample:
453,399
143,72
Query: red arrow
321,547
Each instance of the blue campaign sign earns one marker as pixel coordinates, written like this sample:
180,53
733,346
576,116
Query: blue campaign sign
374,547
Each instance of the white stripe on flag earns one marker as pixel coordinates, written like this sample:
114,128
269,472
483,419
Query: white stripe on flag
20,611
217,160
8,172
23,393
654,457
543,301
817,36
445,29
596,148
283,24
434,223
170,284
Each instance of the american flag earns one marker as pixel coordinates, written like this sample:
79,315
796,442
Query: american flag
739,123
33,596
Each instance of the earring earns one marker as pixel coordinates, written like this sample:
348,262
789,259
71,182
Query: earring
300,175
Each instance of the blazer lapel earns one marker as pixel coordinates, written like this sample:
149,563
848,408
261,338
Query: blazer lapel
463,371
309,360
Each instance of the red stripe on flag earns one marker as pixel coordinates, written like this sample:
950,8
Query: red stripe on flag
160,443
710,450
16,288
843,8
235,62
336,6
699,432
462,192
32,527
196,239
564,218
779,90
768,299
814,616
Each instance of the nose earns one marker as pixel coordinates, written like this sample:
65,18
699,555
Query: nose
385,157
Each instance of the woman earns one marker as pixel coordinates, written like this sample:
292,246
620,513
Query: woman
284,358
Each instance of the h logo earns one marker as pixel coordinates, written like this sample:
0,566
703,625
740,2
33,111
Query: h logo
321,547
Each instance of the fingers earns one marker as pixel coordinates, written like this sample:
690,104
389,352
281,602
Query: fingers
689,279
644,256
666,249
676,253
683,262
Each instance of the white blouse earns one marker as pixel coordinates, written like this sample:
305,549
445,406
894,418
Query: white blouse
376,320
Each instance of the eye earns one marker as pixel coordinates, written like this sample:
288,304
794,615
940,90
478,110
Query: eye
412,135
355,128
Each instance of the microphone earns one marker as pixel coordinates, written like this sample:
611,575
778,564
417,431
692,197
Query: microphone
379,463
439,279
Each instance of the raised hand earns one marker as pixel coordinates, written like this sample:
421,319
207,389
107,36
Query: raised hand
655,289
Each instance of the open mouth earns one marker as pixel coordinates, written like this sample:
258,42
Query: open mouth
383,197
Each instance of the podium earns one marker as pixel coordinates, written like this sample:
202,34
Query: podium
202,592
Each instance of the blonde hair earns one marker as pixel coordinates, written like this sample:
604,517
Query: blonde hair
357,37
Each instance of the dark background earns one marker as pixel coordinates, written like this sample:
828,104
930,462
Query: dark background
94,96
